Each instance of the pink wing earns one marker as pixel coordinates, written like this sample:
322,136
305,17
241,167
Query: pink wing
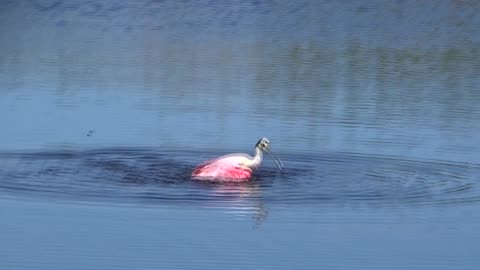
205,167
223,168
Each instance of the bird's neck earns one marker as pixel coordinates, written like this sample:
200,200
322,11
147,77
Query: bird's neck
258,157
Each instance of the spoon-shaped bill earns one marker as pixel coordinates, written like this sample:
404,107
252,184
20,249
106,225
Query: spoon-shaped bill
278,162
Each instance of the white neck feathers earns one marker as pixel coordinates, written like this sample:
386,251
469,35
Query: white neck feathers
258,158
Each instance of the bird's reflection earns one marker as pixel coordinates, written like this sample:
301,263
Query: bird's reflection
241,200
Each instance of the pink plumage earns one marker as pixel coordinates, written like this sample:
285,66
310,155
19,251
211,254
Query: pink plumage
234,167
225,168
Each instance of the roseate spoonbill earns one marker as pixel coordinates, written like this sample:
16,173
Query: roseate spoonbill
235,167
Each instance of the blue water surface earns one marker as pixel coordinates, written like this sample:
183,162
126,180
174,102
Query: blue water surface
107,106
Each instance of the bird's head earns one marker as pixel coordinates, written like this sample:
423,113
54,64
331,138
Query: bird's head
263,144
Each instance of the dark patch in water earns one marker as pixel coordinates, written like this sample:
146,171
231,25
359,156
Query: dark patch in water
148,176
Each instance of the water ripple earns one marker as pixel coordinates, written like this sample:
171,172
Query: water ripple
146,176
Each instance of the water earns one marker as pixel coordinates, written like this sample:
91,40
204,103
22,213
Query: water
106,107
154,177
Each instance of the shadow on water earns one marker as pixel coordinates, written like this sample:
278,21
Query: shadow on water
157,177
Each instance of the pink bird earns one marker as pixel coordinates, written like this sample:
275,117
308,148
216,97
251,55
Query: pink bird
235,167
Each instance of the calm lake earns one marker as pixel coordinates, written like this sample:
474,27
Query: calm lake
107,106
